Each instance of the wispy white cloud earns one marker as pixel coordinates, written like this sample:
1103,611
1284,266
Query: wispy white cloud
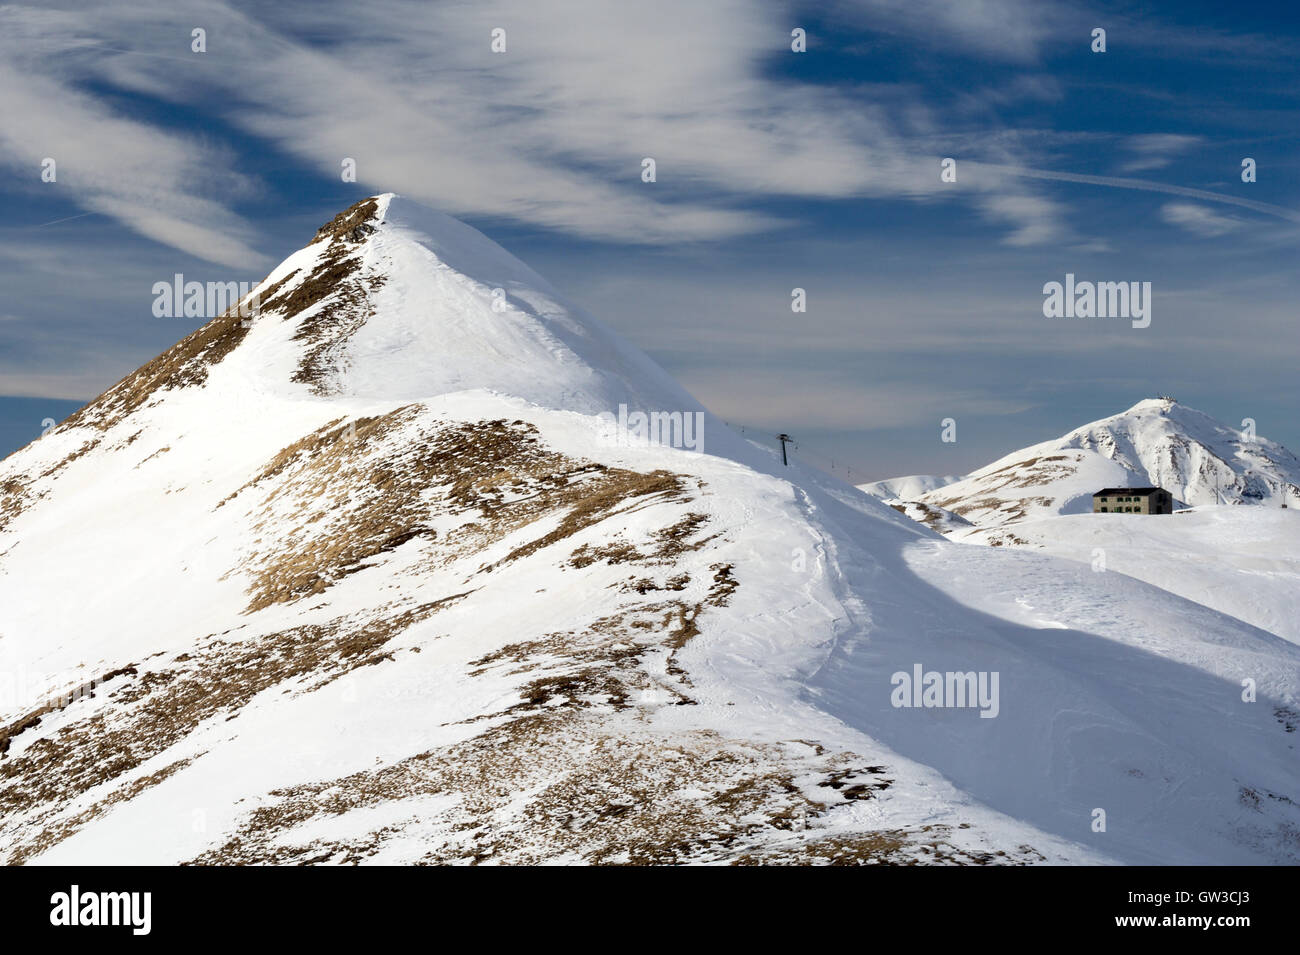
1198,219
1155,150
1034,219
156,181
991,172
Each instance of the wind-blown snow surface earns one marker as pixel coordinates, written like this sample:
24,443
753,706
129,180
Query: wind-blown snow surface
1157,442
1243,561
369,581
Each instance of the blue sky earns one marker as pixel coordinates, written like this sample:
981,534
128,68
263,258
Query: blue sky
775,170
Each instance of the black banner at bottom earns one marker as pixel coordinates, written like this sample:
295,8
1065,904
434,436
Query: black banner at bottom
139,905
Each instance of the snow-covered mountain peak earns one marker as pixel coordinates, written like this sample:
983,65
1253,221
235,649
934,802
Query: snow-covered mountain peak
1163,412
1199,459
1157,442
1162,403
393,300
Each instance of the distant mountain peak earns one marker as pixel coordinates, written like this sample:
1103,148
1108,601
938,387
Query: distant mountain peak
1157,442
